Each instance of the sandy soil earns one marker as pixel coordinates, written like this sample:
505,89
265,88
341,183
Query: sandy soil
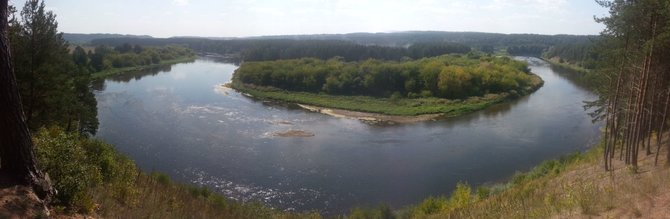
18,201
370,117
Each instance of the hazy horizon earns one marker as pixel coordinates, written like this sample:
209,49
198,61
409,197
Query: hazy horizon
316,34
238,18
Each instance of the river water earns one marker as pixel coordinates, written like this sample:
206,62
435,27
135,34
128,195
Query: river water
178,120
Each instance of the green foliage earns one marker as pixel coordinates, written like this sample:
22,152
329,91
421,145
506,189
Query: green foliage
583,55
531,50
65,159
117,71
91,176
402,107
161,178
381,212
431,205
443,77
460,197
354,46
77,165
483,192
106,58
520,187
54,90
352,86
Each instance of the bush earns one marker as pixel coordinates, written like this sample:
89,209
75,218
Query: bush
461,197
65,160
77,165
431,205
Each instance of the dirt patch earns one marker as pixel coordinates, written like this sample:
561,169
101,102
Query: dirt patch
17,201
294,133
371,117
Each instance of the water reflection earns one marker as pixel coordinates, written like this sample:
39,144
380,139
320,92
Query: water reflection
182,122
575,77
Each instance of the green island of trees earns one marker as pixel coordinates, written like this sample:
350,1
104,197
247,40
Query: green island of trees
450,85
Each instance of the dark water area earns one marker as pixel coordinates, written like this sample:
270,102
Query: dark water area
180,121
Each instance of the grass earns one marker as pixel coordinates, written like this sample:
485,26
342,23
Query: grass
117,71
387,106
158,197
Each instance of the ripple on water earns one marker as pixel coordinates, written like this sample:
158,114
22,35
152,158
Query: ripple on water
283,199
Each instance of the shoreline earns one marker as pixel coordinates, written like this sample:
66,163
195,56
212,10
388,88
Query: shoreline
571,67
372,118
402,111
118,71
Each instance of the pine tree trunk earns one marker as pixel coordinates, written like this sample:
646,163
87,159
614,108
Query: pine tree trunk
17,157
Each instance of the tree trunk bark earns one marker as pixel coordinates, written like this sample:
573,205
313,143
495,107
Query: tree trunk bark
17,157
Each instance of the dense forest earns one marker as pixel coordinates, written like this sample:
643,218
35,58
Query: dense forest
126,55
472,39
635,90
82,38
444,76
361,46
263,50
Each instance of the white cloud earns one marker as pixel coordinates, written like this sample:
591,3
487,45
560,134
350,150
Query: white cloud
543,5
180,2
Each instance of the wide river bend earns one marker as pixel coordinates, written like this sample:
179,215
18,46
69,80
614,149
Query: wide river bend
179,121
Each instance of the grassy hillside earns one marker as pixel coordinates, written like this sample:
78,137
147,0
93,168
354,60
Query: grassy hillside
575,186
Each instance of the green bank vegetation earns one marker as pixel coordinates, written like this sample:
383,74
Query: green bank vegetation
450,85
105,61
565,65
117,71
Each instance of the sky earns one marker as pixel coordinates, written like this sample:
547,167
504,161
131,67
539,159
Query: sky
239,18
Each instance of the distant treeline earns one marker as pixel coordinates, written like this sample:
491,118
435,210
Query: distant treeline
81,38
403,39
583,54
127,55
472,39
443,76
386,46
264,50
527,50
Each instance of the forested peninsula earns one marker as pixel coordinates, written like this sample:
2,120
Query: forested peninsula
448,85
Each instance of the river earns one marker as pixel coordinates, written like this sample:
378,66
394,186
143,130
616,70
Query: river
178,120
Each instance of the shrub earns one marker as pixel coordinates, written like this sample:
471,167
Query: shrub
461,197
77,165
62,156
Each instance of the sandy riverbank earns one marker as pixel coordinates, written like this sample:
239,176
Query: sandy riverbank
370,117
